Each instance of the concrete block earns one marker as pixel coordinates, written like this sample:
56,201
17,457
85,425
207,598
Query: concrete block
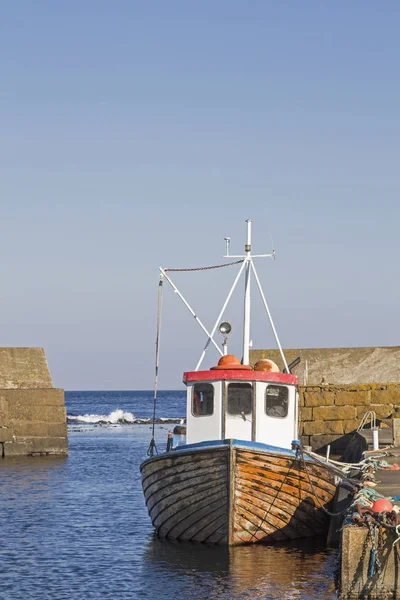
32,429
393,386
4,415
389,396
380,386
346,412
39,414
49,445
6,434
361,410
46,445
32,412
24,368
312,399
321,427
16,449
355,556
38,397
348,398
382,411
349,426
357,387
306,414
325,413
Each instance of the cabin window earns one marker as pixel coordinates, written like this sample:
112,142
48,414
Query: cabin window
240,398
276,401
203,399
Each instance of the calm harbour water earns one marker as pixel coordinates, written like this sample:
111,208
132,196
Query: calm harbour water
77,527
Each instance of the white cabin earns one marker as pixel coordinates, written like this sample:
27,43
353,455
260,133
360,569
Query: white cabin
237,402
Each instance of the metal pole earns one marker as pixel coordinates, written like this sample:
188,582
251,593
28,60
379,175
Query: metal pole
270,317
190,309
246,324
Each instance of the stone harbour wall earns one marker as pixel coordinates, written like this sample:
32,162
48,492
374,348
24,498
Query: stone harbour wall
32,411
329,412
338,365
32,422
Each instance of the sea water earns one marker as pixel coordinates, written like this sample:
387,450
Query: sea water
77,527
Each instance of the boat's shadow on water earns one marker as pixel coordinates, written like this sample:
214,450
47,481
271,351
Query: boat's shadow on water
291,570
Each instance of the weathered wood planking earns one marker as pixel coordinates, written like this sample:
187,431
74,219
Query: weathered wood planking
232,495
274,499
187,495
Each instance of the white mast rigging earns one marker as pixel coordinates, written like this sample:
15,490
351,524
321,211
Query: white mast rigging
248,267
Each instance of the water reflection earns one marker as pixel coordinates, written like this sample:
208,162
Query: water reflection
29,477
77,528
300,570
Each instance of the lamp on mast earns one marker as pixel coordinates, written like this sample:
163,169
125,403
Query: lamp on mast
225,328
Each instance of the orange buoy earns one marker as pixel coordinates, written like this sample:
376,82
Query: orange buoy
382,505
229,361
265,364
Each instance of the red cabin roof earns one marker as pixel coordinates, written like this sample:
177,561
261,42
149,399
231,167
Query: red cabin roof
239,374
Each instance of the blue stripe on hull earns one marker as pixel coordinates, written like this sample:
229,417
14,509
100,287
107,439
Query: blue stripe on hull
238,444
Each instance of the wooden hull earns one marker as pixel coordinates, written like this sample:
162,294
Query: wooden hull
233,492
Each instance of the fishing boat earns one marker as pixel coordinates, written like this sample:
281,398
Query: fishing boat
241,475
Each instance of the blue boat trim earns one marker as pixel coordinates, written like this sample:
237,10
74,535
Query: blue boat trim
237,444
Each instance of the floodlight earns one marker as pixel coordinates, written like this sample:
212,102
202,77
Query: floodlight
225,328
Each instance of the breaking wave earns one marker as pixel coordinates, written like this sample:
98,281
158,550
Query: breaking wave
117,416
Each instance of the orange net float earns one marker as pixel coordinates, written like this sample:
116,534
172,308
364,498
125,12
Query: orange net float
229,361
267,365
382,505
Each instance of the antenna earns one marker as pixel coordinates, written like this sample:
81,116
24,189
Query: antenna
248,266
227,241
273,245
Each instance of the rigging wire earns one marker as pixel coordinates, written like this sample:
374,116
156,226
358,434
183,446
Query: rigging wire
237,262
152,446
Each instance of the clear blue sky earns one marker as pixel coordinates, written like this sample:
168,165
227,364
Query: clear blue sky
135,134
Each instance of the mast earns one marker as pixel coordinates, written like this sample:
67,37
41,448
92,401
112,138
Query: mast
247,266
246,319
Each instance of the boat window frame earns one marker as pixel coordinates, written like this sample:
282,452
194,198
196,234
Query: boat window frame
252,399
281,387
202,384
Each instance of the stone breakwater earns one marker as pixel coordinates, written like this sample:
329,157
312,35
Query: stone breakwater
32,422
32,411
330,412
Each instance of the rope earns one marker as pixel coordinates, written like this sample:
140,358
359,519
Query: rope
331,467
331,514
152,446
333,470
238,262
